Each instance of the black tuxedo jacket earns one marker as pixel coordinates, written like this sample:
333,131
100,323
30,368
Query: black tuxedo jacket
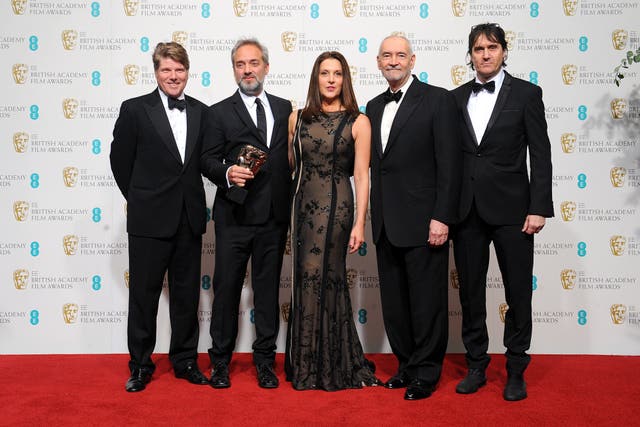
148,169
417,177
495,171
269,191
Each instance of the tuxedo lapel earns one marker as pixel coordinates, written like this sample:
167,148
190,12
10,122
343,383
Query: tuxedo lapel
277,113
160,122
408,105
193,128
242,112
502,98
465,112
375,116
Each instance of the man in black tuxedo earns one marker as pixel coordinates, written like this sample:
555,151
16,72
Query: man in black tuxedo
155,159
251,211
500,202
415,166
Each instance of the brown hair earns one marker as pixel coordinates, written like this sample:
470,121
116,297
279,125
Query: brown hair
170,50
313,106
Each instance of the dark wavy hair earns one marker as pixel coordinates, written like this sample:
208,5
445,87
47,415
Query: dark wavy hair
492,32
313,106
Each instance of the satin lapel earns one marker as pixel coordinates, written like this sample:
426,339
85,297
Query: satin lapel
194,115
408,105
277,114
502,98
466,93
160,122
243,114
375,116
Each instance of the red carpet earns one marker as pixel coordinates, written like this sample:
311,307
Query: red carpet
88,390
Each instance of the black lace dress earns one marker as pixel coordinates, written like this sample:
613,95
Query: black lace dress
323,348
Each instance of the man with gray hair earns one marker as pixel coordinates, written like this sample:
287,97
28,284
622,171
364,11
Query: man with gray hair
251,210
415,164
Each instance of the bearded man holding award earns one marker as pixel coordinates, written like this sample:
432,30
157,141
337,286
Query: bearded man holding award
245,155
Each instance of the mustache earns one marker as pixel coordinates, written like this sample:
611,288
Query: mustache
392,67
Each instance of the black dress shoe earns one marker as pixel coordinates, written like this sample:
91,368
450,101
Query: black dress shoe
516,388
399,380
418,389
266,377
472,382
220,376
138,380
192,374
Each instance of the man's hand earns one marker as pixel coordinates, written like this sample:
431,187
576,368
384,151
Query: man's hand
238,175
438,233
533,224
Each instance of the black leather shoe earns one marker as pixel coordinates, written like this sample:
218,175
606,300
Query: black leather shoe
138,380
220,376
192,374
472,382
516,388
399,380
266,377
418,389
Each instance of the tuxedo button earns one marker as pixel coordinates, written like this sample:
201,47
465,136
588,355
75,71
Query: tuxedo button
478,155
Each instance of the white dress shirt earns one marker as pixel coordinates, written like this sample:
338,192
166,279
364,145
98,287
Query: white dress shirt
250,103
178,123
389,114
480,106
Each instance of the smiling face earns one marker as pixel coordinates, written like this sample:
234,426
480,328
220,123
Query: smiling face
330,79
487,57
396,61
250,69
172,77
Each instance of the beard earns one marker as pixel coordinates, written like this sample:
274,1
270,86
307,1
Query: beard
251,89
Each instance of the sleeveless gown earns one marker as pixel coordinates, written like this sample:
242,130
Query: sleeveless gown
323,347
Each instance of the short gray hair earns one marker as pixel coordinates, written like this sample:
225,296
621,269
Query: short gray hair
253,42
400,35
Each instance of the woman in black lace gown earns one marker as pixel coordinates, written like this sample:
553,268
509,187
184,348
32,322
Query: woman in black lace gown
329,141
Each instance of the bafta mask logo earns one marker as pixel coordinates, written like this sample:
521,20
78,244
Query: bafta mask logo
616,175
131,74
20,210
69,39
70,176
568,278
70,108
20,72
285,309
454,279
70,313
619,39
240,7
288,39
180,37
126,278
352,277
459,7
510,37
19,6
458,74
617,244
502,310
569,74
618,312
568,210
20,278
353,70
618,108
70,244
131,7
350,8
568,142
570,7
20,141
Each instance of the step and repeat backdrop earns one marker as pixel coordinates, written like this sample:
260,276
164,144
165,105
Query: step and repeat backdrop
66,66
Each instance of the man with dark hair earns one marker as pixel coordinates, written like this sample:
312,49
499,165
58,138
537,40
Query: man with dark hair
251,210
415,182
501,202
155,159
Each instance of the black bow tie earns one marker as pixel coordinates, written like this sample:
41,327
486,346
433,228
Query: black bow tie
489,87
388,96
180,104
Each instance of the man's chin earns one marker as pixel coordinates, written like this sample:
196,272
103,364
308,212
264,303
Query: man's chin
250,89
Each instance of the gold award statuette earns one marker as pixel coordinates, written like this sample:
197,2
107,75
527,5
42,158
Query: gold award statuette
251,158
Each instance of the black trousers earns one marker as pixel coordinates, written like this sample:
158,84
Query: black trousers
413,290
149,259
514,251
235,244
